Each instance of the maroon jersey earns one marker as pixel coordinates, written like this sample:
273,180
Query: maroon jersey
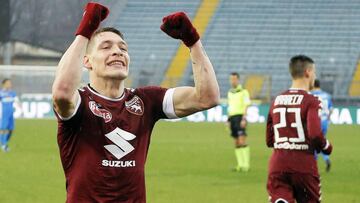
103,146
294,131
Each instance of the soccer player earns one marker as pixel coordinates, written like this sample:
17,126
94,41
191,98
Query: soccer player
326,110
294,131
7,98
104,128
238,101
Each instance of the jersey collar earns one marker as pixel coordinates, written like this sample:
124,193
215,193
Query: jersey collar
236,89
92,90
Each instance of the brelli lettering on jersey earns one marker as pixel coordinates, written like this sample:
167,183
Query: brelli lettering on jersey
292,99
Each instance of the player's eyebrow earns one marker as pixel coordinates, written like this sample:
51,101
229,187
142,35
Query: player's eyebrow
112,42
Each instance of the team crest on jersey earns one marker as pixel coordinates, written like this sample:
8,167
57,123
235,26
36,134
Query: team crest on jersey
99,111
135,106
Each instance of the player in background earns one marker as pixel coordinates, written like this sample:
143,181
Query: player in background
326,111
238,102
104,128
294,132
8,98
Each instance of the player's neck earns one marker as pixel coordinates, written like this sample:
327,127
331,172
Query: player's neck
109,88
235,86
300,84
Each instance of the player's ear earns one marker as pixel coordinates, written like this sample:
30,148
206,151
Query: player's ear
86,62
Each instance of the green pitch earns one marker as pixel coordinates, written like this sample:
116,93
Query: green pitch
187,162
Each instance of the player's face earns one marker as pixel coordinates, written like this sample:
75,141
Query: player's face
7,85
234,81
108,57
312,76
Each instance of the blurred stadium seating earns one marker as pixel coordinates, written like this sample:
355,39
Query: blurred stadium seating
150,49
253,37
260,37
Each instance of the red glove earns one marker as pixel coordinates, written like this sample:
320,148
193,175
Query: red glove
328,148
178,25
94,13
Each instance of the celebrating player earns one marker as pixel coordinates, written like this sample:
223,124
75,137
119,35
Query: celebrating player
104,128
294,131
326,110
7,98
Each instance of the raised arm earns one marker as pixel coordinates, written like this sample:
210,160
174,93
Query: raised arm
68,77
69,72
206,93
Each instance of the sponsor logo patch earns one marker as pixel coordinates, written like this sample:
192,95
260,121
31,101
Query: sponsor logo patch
99,111
135,106
120,146
118,164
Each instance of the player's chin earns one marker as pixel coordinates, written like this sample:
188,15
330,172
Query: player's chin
118,75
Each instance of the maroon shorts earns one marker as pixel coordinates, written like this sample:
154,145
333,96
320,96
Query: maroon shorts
288,187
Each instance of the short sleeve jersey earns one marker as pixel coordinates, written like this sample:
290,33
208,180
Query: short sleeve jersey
7,99
103,146
238,100
294,131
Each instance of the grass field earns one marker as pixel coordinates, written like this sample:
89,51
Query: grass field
187,162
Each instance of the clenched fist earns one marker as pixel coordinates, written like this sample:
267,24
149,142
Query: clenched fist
178,25
94,13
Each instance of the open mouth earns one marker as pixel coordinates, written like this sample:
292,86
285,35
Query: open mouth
116,63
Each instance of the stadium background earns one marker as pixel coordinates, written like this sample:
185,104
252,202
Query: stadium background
253,37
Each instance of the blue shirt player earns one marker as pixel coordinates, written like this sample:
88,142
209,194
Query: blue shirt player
7,99
327,107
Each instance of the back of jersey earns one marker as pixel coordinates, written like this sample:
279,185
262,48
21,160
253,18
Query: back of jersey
293,130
